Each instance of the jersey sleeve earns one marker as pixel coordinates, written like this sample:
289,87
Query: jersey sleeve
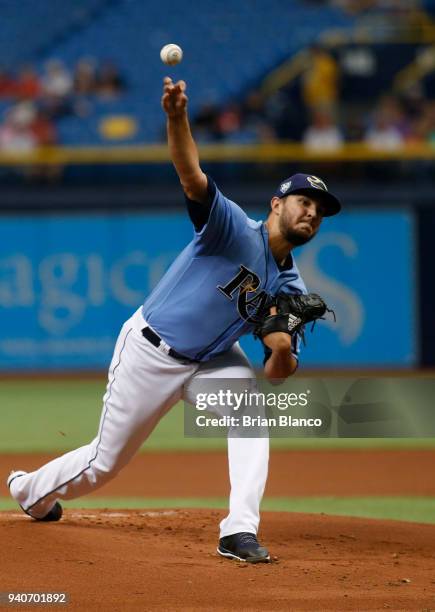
199,212
226,221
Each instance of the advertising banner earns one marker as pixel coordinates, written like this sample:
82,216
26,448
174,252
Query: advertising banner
67,283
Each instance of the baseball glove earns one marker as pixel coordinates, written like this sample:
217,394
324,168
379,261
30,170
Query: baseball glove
293,312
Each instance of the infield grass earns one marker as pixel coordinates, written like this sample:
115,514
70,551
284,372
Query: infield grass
59,415
414,509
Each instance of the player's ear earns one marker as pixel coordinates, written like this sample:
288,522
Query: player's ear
274,204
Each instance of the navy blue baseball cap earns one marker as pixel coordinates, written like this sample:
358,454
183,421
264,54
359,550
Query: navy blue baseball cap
309,184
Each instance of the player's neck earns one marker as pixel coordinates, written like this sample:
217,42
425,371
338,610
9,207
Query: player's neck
279,246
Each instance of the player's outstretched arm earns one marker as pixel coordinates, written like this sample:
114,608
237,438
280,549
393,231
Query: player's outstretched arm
182,147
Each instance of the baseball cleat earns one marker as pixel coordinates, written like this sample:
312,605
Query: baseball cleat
243,547
55,514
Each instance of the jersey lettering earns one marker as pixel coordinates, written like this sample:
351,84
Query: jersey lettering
246,282
245,278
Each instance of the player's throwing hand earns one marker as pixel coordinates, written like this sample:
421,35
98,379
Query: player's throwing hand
174,100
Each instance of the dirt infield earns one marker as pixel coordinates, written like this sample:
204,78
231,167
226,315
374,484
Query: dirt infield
139,560
166,560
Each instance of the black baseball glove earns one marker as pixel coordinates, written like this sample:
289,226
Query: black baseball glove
293,312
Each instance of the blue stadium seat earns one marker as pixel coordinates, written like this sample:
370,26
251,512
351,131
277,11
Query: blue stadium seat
28,27
224,53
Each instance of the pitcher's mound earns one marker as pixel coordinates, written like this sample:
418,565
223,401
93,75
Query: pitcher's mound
166,560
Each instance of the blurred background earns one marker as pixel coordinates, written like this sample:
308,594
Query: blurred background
91,210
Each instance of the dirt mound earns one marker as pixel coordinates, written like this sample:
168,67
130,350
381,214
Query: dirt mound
166,560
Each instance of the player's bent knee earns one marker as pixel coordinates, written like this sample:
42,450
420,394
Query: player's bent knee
102,472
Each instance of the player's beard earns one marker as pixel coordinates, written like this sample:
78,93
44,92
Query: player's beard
292,235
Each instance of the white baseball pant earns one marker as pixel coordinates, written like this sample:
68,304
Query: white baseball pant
143,384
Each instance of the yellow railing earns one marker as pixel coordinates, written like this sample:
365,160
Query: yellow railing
261,153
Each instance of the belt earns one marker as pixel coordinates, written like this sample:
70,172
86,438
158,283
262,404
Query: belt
156,341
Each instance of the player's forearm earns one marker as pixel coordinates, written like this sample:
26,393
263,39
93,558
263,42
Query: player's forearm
184,155
280,365
182,147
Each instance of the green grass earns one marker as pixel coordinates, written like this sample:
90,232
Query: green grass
415,509
59,415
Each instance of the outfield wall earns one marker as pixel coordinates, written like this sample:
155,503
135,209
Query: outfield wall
67,283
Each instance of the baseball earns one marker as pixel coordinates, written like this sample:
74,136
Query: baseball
171,54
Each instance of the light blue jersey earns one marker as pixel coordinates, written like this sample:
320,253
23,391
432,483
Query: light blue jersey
209,296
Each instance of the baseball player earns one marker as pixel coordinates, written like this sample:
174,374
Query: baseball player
187,331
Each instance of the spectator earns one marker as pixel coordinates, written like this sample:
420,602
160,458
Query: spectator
391,107
320,81
205,123
43,129
384,133
413,99
7,84
27,85
110,82
355,126
57,82
255,124
229,121
16,134
253,108
85,77
286,115
56,88
323,134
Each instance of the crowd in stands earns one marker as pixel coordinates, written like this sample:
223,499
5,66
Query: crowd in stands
315,113
34,101
320,118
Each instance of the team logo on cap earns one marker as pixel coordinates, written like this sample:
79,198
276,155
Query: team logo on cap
316,183
285,187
